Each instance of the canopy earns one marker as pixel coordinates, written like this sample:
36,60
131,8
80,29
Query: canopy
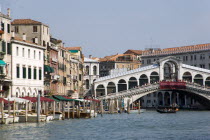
48,69
61,98
2,63
5,101
19,100
42,99
93,100
53,99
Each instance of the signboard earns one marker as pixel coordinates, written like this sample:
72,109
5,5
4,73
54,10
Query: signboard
172,85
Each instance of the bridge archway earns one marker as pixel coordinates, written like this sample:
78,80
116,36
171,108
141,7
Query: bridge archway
170,70
132,82
154,77
122,85
111,87
207,82
187,76
198,79
100,90
143,80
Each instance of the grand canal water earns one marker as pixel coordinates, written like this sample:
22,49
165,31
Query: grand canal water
184,125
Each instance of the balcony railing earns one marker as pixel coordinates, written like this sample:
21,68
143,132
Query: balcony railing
2,55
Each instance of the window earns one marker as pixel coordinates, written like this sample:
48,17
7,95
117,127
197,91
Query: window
29,55
23,52
1,70
8,28
9,48
39,55
17,51
186,58
24,72
194,57
29,72
34,54
40,74
44,44
35,29
17,71
94,70
34,72
191,57
80,77
3,46
2,26
16,29
142,61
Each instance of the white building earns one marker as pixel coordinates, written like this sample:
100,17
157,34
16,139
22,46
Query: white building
91,73
27,68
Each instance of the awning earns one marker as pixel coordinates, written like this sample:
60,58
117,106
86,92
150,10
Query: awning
16,99
53,99
2,63
73,51
47,68
52,70
42,99
5,101
61,98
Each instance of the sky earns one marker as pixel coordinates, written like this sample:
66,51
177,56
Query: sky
107,27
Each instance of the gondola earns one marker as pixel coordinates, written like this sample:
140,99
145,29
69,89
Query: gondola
166,110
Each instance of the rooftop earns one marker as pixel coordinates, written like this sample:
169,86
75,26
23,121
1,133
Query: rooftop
89,60
26,22
74,48
117,57
138,52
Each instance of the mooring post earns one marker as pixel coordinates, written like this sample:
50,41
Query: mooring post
2,111
139,107
128,106
73,110
54,109
9,106
38,108
68,106
101,108
13,111
26,113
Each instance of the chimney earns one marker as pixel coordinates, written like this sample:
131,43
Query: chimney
8,12
90,56
24,37
36,40
13,34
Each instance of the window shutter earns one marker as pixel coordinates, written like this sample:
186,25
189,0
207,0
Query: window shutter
9,48
3,46
35,73
29,73
18,72
40,74
24,72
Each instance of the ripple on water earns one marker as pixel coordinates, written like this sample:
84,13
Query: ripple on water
149,125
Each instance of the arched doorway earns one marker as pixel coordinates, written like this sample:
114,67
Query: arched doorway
143,80
111,88
187,76
167,99
207,82
122,85
198,79
160,98
94,70
132,82
170,70
100,90
154,77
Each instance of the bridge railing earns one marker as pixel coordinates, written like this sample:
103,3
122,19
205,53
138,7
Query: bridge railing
130,91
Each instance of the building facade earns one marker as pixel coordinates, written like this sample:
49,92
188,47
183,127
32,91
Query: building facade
91,73
5,55
118,61
27,68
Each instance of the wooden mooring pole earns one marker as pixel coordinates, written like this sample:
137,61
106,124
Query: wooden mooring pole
73,110
26,111
128,106
14,111
38,108
139,107
2,112
101,108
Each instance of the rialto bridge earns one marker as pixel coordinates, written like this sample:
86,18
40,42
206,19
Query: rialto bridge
168,74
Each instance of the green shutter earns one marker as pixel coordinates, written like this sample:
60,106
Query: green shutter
35,73
9,48
3,46
8,28
24,72
18,72
29,73
40,74
2,26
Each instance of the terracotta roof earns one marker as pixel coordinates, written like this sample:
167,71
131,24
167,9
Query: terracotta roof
176,50
74,48
1,32
25,22
114,57
20,39
133,52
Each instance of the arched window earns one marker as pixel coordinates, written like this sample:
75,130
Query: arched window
94,70
87,83
87,70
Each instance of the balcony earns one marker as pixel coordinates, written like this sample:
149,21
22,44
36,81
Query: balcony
56,78
54,60
2,55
